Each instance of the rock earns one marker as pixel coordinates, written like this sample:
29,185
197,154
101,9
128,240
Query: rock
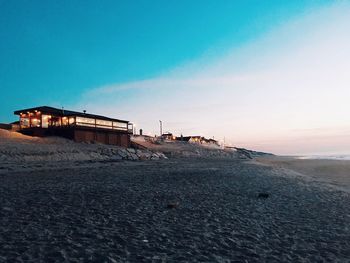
144,156
154,157
116,157
173,205
263,195
162,155
123,153
131,150
133,157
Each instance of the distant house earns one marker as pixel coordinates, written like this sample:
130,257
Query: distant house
168,136
190,139
78,126
197,139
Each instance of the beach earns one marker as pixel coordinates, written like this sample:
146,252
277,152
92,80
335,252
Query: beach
171,210
333,173
175,131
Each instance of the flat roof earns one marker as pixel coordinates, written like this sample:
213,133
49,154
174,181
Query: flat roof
64,112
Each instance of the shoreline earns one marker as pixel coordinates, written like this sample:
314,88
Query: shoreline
334,173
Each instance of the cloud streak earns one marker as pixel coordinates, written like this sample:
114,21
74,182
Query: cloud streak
263,95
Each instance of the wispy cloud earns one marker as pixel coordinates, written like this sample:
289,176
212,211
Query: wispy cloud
296,77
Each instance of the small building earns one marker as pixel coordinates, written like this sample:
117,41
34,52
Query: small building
190,139
168,136
195,139
78,126
198,140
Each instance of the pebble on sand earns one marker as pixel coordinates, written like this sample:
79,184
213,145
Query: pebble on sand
263,195
173,205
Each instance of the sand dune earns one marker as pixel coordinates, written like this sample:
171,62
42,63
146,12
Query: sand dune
18,151
21,152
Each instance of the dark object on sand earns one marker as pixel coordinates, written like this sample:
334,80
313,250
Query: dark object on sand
263,195
173,205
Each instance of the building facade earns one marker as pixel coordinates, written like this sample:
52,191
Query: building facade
78,126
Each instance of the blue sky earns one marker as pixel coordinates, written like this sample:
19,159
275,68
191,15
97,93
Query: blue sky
124,58
53,51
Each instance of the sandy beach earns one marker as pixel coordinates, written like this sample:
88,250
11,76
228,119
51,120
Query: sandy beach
65,201
333,173
158,131
119,212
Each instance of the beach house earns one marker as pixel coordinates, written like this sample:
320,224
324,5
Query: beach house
198,140
190,139
168,136
78,126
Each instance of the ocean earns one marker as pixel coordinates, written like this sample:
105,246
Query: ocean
326,157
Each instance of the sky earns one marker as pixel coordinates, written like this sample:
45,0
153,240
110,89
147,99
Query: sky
266,75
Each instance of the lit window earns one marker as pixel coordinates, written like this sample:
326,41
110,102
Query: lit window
24,123
36,122
64,121
103,124
45,120
85,121
120,125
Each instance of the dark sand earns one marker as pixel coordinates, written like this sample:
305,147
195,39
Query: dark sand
117,212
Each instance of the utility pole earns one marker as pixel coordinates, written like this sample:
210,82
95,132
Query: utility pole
161,127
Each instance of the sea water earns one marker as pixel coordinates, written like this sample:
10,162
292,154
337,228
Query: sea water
326,157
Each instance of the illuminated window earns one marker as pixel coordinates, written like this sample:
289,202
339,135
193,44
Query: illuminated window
85,121
45,121
55,121
120,125
64,121
36,122
103,124
24,122
71,120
